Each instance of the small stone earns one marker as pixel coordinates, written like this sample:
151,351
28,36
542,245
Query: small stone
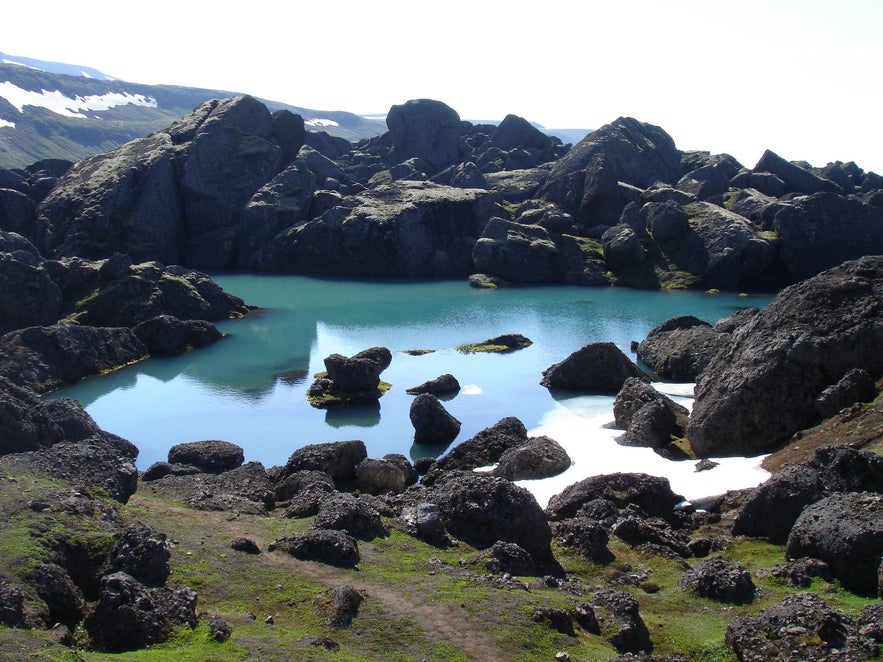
269,620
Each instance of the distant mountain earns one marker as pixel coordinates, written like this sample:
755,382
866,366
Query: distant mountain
45,112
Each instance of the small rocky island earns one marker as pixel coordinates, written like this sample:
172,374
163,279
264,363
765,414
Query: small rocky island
339,554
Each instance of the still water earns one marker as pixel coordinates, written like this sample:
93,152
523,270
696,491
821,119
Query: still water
250,387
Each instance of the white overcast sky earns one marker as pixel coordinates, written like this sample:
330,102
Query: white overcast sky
803,78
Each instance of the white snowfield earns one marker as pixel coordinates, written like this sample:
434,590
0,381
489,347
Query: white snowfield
70,107
321,122
5,123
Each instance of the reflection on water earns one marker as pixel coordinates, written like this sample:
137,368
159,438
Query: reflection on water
250,388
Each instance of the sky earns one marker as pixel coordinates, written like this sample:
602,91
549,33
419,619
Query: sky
802,78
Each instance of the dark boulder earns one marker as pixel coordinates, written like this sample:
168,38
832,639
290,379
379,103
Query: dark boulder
797,179
652,534
338,459
485,448
63,598
24,424
360,372
376,476
212,457
764,385
480,510
652,494
322,545
845,469
424,521
433,424
557,619
165,334
338,606
245,545
521,253
712,179
507,557
143,553
846,531
12,610
344,512
442,385
515,131
665,220
619,621
587,536
801,627
299,480
46,357
721,580
585,181
855,386
596,368
426,129
622,248
799,572
306,502
129,615
17,212
648,417
29,296
539,457
771,509
679,349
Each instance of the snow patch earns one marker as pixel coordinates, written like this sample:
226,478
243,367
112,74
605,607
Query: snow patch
582,426
4,123
471,389
321,122
66,106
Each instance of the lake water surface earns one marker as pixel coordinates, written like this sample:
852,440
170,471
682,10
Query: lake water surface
250,387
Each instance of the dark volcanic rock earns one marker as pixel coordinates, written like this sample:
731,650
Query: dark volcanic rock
426,129
46,357
12,611
679,349
485,448
129,615
845,469
338,459
424,521
441,385
539,457
299,480
374,476
651,493
619,621
142,553
245,545
507,557
522,253
721,580
763,387
648,417
339,605
24,424
637,531
29,296
801,627
797,179
846,531
165,334
212,457
585,182
855,386
344,512
480,510
557,619
244,489
771,509
586,535
360,372
62,597
322,545
433,424
596,368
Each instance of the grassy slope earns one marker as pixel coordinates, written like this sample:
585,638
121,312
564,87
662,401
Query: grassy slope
413,608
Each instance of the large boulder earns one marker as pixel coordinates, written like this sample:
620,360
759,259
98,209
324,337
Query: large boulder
442,385
243,489
360,372
211,456
520,253
425,129
539,457
600,367
329,546
142,553
586,181
801,627
846,531
338,459
130,615
679,349
345,512
720,580
653,494
165,334
433,424
619,621
796,179
480,510
764,385
648,417
485,448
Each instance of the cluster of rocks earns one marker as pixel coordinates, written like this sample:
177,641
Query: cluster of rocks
233,185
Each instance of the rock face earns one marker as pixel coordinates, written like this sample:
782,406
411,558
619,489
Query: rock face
425,129
764,386
24,426
846,531
597,368
29,296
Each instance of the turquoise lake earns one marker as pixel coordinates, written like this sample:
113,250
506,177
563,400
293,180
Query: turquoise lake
250,388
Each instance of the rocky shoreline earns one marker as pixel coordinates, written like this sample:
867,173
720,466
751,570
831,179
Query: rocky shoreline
610,562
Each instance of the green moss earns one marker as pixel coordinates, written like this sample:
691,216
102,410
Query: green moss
335,398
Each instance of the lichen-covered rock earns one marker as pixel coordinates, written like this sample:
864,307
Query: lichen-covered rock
619,621
587,536
339,605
